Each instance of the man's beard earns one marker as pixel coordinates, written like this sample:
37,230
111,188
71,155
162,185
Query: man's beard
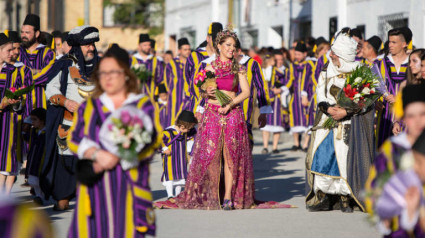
14,58
146,52
28,43
89,56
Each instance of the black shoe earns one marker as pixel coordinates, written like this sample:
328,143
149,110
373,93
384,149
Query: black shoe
38,201
265,151
305,149
276,151
295,148
322,205
345,204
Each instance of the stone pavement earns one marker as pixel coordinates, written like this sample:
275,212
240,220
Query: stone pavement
278,177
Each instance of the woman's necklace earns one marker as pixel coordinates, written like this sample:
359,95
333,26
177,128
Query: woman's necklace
222,68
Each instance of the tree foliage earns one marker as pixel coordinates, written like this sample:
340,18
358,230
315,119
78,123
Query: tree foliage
139,13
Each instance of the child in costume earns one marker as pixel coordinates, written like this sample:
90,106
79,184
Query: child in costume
175,158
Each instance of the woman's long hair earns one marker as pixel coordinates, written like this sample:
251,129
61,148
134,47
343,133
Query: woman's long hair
411,78
235,63
131,85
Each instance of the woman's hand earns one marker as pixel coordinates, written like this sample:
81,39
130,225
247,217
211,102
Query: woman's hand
166,152
337,113
224,110
276,90
396,128
304,101
97,168
106,160
198,116
7,101
211,92
390,98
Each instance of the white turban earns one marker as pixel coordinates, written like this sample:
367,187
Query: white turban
345,47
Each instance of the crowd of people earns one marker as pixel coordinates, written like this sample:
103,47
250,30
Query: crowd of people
198,111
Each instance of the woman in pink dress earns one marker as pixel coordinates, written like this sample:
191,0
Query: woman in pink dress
221,142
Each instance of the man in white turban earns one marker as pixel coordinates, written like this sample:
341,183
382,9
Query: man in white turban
334,170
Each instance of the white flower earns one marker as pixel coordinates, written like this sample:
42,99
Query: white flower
356,97
366,91
142,67
146,137
136,66
358,80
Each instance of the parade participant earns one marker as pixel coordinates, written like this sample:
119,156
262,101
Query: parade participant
253,54
168,56
152,63
10,112
370,50
299,77
414,71
393,68
284,99
322,54
37,57
69,87
390,158
65,47
174,153
194,60
175,77
111,201
274,120
36,152
163,106
256,81
338,159
57,43
23,70
222,134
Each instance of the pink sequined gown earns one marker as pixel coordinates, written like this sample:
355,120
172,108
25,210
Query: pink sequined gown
218,134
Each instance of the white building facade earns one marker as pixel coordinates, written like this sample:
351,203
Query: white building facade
278,23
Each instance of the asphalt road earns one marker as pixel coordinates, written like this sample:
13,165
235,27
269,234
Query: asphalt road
278,177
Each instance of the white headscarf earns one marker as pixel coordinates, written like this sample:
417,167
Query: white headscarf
344,47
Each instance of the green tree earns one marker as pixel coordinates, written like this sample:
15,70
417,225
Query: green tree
139,13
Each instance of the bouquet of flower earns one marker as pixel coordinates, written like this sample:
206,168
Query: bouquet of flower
205,79
141,72
125,133
362,88
14,93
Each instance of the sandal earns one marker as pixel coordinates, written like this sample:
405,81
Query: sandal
227,205
265,151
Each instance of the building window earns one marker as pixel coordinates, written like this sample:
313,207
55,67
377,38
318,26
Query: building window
333,26
389,22
304,30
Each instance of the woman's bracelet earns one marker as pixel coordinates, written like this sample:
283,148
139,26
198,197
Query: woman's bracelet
231,104
93,156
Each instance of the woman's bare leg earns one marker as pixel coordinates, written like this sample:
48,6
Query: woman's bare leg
306,140
276,137
296,139
10,180
2,183
228,179
266,136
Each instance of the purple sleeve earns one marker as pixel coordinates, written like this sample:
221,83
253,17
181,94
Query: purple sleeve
258,81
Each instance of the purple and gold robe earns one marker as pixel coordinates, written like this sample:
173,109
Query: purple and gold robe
393,80
120,203
154,65
40,62
193,65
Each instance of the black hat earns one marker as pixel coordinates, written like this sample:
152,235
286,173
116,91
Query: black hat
83,35
32,20
407,34
153,43
214,29
413,93
301,47
143,38
203,44
321,40
375,42
183,41
4,39
277,52
356,32
64,36
419,145
187,116
116,51
56,34
14,37
162,88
